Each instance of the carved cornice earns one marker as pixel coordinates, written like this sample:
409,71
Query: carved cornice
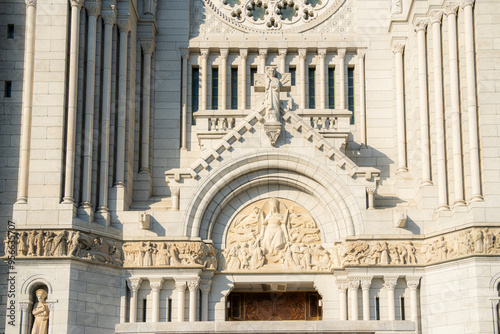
451,8
93,8
421,25
465,3
436,16
108,15
30,3
390,282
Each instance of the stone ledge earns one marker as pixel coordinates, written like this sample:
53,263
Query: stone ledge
298,327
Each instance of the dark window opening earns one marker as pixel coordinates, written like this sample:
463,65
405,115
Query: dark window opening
312,88
350,91
8,89
195,90
169,310
144,306
253,71
331,87
377,308
293,74
215,88
403,317
234,88
10,31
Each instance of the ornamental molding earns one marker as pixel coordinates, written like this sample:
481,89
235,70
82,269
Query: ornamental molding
273,16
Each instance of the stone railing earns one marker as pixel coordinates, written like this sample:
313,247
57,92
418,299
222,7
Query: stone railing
331,123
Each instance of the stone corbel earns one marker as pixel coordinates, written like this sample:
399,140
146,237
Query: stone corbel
149,8
145,221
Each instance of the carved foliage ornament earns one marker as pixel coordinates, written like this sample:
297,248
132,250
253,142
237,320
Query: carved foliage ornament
270,16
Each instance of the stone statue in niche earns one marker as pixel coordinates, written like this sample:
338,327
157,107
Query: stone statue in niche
268,235
272,96
41,313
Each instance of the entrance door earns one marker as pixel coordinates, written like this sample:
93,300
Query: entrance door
274,306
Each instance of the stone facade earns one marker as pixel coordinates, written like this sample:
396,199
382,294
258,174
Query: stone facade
159,157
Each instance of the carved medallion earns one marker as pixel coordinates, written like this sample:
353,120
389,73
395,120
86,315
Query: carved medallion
273,16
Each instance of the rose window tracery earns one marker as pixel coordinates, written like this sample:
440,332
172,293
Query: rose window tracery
273,16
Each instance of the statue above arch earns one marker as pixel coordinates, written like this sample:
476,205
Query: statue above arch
275,234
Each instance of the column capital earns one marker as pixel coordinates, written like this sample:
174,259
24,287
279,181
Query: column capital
108,15
134,284
366,282
361,53
302,53
204,53
451,8
148,46
322,53
25,305
76,3
412,282
263,53
282,53
224,53
93,8
353,283
465,3
390,282
436,16
155,283
30,3
341,53
180,286
205,287
398,47
342,285
243,53
185,54
421,24
193,286
371,190
123,24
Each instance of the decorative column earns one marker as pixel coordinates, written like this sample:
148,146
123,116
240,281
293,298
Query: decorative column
108,17
29,65
282,57
435,19
124,27
451,13
321,73
412,283
390,284
155,284
353,297
302,71
425,149
134,285
205,289
475,171
397,49
371,197
341,76
263,57
204,78
342,287
365,286
93,10
223,79
180,287
147,47
25,307
185,58
69,182
243,78
362,96
193,293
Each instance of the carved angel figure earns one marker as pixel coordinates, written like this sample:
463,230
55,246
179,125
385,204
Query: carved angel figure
41,313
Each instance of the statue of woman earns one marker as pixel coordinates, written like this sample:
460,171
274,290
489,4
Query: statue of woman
272,96
41,313
274,233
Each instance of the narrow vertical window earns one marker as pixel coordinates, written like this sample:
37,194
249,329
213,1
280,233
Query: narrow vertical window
10,31
195,89
215,88
331,87
350,91
169,310
234,88
293,73
144,306
8,89
377,308
253,71
403,316
312,87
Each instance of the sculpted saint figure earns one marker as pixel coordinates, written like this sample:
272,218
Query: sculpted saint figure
272,96
22,246
274,231
60,245
41,313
